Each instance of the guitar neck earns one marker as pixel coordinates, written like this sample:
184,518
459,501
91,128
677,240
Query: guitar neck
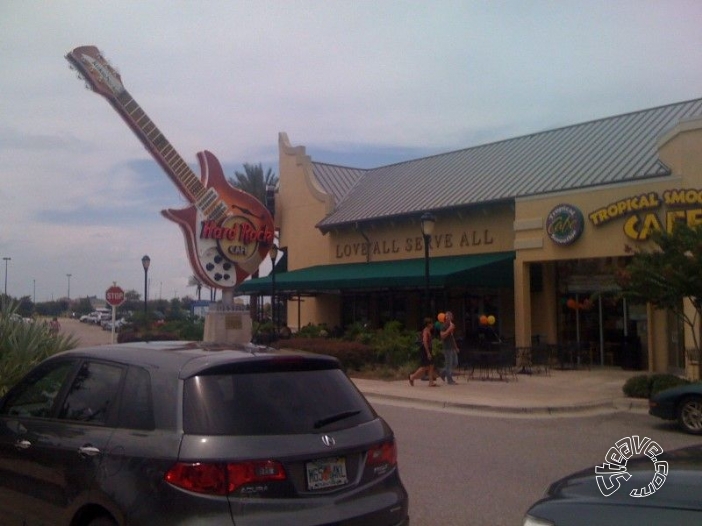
177,169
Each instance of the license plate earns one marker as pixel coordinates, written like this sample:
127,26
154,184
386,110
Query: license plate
326,473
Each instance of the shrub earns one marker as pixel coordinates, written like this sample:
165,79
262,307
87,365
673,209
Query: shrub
23,344
637,386
661,382
129,336
643,385
394,345
313,331
358,332
352,355
186,329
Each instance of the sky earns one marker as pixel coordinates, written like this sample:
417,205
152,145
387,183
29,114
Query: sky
358,83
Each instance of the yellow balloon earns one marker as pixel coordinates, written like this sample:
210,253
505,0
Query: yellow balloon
491,320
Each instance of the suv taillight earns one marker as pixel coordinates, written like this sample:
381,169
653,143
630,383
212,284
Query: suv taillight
222,478
385,453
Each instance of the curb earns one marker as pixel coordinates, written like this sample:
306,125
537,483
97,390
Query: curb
608,405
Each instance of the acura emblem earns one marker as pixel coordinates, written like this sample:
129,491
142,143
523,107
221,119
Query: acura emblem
328,441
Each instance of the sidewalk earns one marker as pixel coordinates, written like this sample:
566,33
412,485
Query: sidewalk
560,393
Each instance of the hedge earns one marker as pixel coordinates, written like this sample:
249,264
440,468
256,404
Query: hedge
644,385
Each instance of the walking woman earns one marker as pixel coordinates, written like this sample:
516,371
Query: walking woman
426,359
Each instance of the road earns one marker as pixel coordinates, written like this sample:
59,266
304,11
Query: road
485,470
86,334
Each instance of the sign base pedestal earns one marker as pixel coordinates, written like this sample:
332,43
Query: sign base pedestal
226,322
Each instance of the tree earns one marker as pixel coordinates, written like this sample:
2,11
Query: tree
254,181
194,281
667,273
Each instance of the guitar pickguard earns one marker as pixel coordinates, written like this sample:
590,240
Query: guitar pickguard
224,252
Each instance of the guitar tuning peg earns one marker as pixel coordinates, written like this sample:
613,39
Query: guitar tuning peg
71,67
87,86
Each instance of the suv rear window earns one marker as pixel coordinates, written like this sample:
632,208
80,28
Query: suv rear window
272,403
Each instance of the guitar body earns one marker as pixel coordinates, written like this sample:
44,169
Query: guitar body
217,260
227,232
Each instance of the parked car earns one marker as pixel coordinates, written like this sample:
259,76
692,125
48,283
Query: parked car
163,433
682,403
576,500
94,318
119,324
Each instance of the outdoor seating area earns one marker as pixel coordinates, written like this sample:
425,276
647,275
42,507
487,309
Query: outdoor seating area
504,362
493,361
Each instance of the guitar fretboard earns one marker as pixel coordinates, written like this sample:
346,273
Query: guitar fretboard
205,199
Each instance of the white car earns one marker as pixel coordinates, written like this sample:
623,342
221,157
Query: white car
107,325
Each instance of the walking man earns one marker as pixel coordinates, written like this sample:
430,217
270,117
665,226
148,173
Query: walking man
450,348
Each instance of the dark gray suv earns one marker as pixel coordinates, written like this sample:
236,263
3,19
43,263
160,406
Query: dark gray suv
182,433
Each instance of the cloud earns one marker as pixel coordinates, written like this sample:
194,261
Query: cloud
360,83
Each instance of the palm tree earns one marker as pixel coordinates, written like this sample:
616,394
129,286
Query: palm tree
193,281
254,181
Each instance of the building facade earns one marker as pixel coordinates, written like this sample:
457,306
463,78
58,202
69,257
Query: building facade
528,231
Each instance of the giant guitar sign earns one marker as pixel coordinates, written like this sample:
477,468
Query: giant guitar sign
227,232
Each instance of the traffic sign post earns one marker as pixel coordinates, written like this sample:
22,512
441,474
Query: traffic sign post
114,297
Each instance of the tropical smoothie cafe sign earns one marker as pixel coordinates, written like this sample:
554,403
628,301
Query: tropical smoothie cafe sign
643,214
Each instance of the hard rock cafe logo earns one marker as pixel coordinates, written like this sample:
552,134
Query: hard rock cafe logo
609,475
238,238
564,224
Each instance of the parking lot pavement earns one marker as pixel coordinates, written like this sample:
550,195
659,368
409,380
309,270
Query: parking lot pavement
87,334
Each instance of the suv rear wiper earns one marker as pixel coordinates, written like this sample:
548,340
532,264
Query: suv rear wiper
334,418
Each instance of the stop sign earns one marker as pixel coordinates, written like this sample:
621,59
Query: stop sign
114,296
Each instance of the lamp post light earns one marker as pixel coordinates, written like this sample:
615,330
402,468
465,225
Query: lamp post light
6,259
145,262
274,254
427,223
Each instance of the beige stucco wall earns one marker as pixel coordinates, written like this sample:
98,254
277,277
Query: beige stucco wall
300,204
479,231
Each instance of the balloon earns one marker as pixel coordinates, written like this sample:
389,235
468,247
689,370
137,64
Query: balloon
491,320
483,320
437,325
441,317
572,304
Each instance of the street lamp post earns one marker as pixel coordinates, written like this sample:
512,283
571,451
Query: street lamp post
6,259
274,254
69,287
145,262
427,223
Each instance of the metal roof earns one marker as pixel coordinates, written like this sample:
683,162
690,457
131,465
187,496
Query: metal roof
336,180
605,151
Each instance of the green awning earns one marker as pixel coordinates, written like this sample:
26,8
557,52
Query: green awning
481,270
